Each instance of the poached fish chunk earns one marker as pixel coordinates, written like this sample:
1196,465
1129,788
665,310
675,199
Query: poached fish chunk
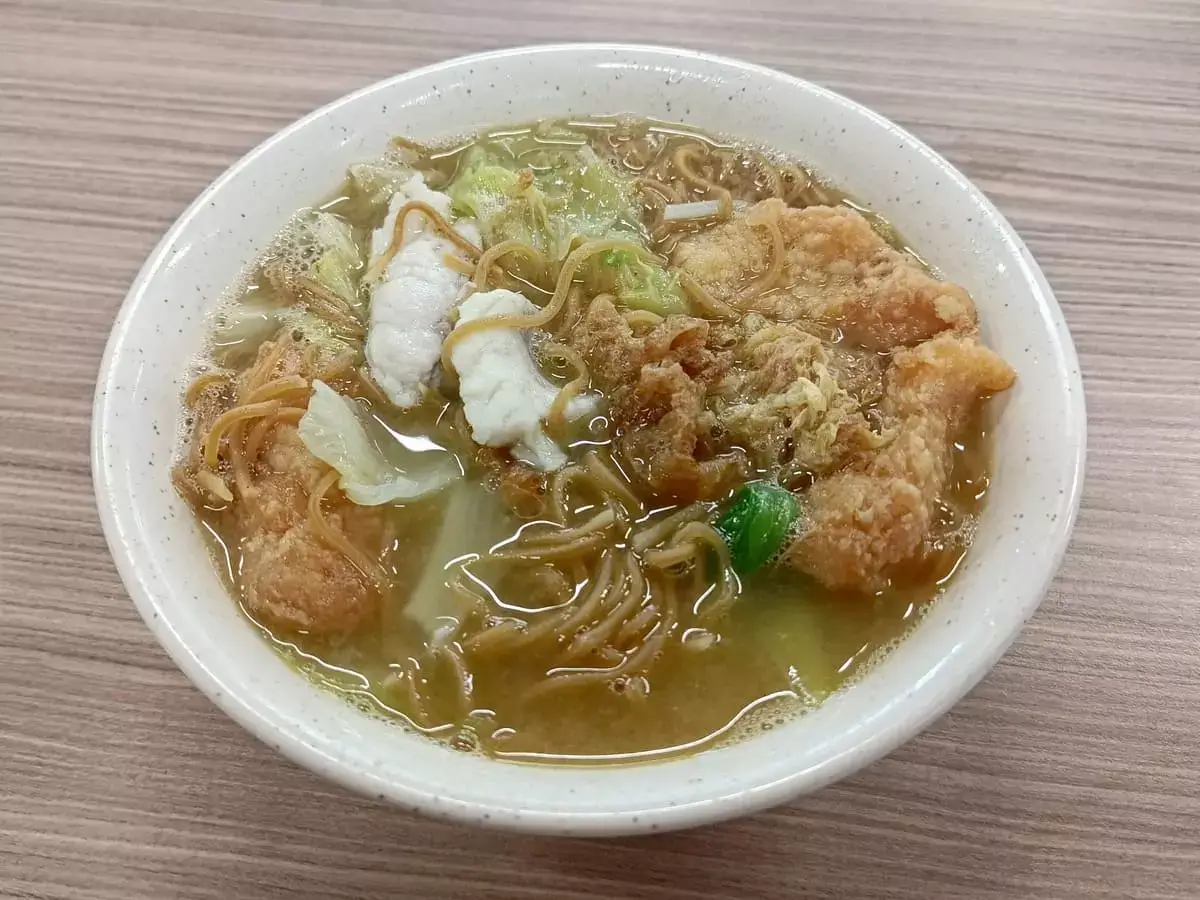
505,396
412,299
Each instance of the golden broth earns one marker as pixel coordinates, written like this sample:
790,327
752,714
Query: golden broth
786,645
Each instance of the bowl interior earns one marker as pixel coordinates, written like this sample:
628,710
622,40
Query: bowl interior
158,548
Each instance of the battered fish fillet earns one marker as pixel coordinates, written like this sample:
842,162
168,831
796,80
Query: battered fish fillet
835,269
863,520
289,578
657,386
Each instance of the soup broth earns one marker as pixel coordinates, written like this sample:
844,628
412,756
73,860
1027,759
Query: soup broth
597,607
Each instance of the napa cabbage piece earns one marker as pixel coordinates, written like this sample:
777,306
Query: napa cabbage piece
642,285
378,181
242,328
551,199
338,260
322,247
372,473
473,519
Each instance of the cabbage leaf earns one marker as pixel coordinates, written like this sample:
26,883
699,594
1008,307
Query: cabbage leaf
642,285
377,181
339,261
551,199
334,431
474,518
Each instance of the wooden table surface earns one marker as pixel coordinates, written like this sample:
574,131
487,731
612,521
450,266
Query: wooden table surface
1072,771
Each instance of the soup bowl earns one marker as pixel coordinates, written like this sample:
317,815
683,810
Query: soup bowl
163,560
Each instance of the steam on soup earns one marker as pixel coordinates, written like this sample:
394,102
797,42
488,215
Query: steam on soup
588,440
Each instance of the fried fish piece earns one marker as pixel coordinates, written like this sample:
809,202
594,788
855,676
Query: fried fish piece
870,516
657,386
835,268
289,577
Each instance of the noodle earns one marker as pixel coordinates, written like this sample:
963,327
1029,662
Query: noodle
227,420
411,146
660,531
664,191
288,384
288,415
637,318
610,655
488,259
774,271
572,314
795,182
576,679
559,482
640,659
586,611
439,224
214,484
262,368
634,662
706,301
683,549
593,638
237,458
458,264
599,522
726,590
486,641
369,389
683,162
578,547
340,366
550,311
556,416
767,169
606,479
201,384
513,636
370,570
320,300
635,627
337,305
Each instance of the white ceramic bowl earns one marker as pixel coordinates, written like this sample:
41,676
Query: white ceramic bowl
1021,539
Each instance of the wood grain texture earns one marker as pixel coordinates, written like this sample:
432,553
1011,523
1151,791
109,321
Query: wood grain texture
1072,771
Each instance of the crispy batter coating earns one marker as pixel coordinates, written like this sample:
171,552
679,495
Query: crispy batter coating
521,487
289,577
873,515
836,269
657,385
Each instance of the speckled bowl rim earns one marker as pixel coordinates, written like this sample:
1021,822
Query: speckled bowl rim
921,705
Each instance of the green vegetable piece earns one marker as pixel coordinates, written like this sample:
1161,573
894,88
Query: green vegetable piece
757,524
551,199
337,266
642,285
